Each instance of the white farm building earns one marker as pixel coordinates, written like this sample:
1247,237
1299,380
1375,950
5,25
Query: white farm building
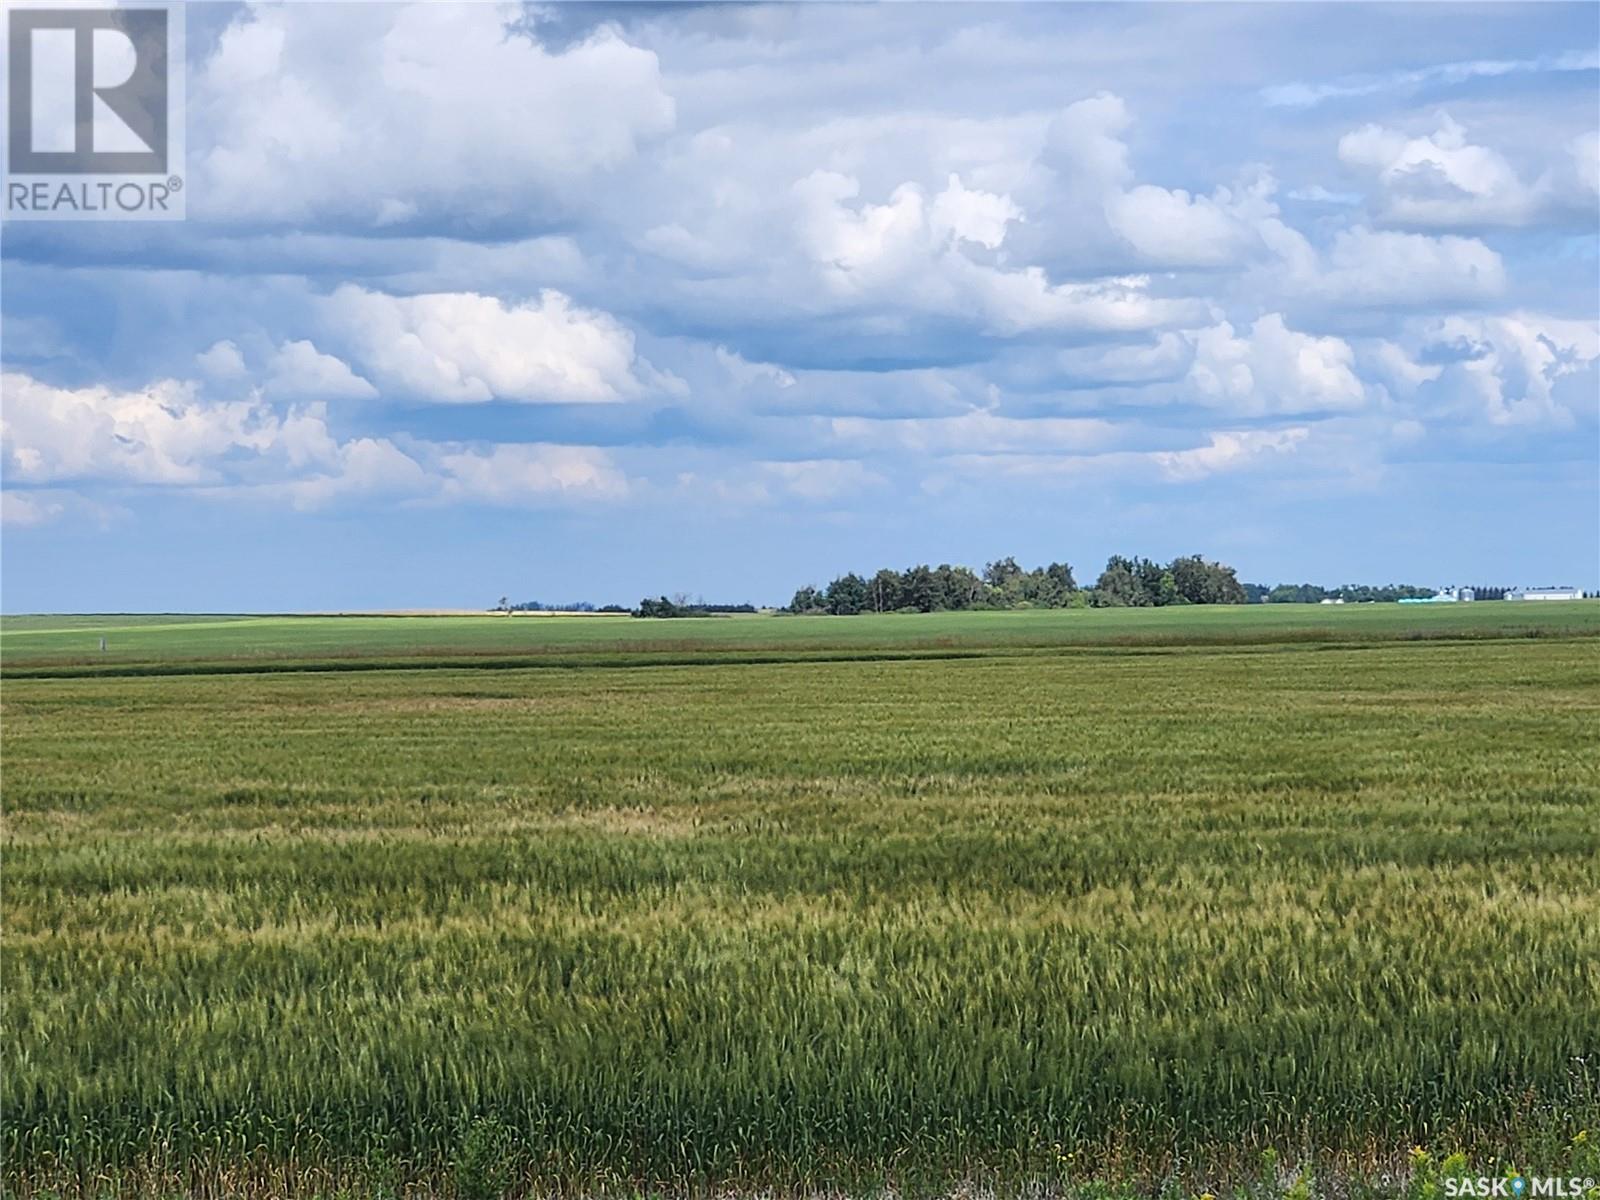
1545,593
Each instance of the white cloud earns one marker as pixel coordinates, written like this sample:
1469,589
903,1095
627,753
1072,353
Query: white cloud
463,348
962,214
859,247
1382,267
1171,227
1304,95
522,473
1273,369
1398,370
162,434
894,254
1020,301
1164,358
1520,369
1228,452
167,434
1317,194
300,369
222,361
24,508
1585,151
360,467
1441,180
1085,144
1365,268
1223,452
823,479
378,113
745,372
976,432
507,474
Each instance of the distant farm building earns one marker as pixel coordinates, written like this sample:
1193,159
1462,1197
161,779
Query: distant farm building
1545,593
1448,595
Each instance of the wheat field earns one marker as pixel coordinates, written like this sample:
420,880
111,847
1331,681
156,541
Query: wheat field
1116,914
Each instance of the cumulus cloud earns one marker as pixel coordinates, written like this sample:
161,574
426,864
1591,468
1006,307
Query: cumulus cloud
464,348
1317,194
1273,369
1585,151
846,272
1442,180
221,361
1171,227
1164,358
26,508
379,114
300,369
1396,369
823,479
1222,453
371,467
162,434
962,214
1366,268
1520,369
1228,452
518,473
745,373
1084,147
170,435
896,253
977,432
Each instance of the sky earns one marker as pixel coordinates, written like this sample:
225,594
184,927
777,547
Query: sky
589,302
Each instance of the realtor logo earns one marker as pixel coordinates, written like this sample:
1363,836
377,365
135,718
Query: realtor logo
93,106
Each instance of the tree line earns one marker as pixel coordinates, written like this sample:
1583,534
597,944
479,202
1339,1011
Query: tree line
1352,593
1125,583
661,606
583,606
1003,584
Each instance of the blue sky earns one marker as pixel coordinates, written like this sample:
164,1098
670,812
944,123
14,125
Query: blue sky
598,301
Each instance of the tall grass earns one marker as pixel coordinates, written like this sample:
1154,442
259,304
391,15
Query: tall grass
793,923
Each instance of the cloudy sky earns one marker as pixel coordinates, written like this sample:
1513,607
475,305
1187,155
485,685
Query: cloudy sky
588,302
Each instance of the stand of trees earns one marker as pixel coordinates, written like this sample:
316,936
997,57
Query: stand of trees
1352,593
684,607
1003,584
1126,582
1142,583
540,606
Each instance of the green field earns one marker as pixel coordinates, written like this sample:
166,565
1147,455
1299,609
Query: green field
36,644
1039,900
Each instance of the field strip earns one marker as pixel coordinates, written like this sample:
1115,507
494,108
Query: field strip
569,658
157,627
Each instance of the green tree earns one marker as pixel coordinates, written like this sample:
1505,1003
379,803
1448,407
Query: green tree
1001,573
1149,574
1295,593
956,587
1168,592
883,593
1053,586
847,595
1119,586
919,589
1202,582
